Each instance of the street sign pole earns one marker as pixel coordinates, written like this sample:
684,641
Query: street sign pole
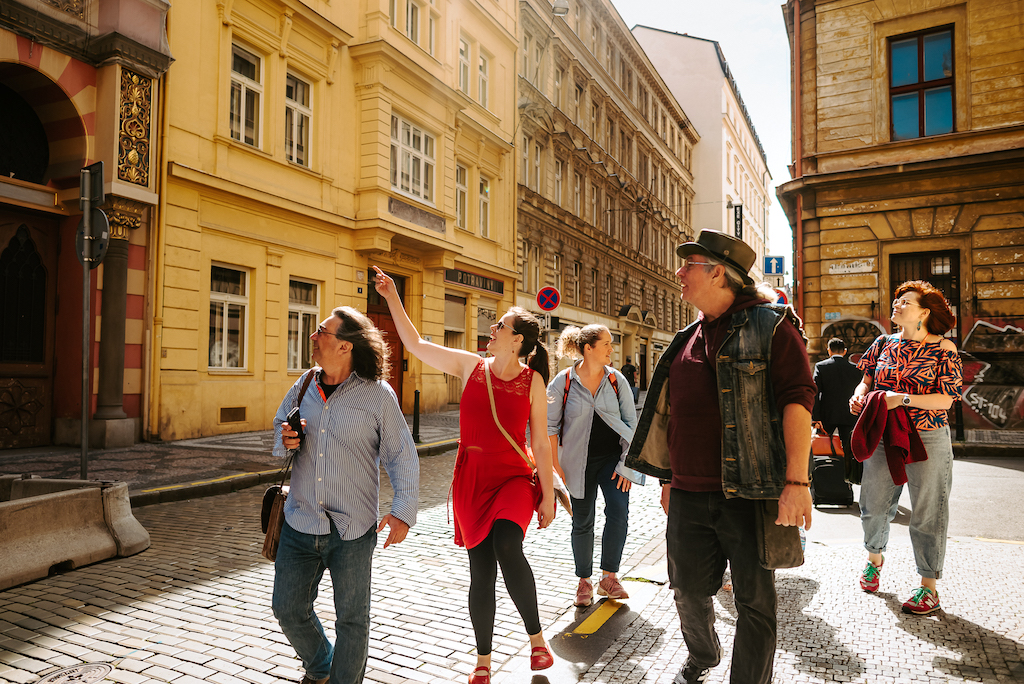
91,179
86,205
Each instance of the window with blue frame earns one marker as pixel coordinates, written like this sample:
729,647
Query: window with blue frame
922,96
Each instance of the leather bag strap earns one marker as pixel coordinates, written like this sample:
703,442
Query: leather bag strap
291,453
494,413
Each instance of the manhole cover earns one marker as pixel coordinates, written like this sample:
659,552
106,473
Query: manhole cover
90,672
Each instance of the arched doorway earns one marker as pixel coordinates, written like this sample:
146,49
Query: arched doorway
42,146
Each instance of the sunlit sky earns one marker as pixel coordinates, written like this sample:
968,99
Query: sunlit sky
753,36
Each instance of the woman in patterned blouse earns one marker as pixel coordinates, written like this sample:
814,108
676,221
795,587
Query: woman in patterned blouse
920,370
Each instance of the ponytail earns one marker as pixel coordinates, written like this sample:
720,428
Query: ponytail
528,325
540,362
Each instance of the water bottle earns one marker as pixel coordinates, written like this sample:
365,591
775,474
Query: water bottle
803,539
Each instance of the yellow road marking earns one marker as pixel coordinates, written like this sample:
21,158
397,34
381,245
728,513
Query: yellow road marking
999,541
219,479
598,618
443,441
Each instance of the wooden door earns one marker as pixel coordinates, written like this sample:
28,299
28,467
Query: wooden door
28,284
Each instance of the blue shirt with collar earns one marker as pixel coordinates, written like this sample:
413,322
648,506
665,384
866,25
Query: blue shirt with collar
618,412
336,474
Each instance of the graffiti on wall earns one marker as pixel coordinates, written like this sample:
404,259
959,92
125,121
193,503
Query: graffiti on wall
993,358
858,333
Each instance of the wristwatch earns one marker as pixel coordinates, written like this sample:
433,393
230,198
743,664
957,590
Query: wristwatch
906,400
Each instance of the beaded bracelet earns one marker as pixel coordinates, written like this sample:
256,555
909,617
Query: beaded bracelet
798,484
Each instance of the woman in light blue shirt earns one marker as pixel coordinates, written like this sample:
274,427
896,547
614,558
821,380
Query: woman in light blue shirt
591,418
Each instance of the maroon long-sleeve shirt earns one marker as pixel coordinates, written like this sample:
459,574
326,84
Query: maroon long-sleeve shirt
695,428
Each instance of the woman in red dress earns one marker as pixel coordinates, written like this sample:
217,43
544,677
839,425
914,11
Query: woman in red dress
493,493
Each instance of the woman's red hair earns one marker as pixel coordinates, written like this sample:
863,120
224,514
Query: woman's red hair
941,319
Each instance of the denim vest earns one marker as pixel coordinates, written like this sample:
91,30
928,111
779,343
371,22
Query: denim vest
753,450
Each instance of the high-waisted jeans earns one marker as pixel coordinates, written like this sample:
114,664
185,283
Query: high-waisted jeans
929,482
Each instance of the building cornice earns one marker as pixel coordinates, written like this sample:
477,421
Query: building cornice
71,40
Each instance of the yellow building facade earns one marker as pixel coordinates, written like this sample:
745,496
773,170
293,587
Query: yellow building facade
909,164
303,143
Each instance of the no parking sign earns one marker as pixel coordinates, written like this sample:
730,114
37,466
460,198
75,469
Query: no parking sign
548,298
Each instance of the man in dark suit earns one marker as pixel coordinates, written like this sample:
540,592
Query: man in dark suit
837,379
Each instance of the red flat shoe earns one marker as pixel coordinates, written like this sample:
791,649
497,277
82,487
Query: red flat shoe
541,658
484,678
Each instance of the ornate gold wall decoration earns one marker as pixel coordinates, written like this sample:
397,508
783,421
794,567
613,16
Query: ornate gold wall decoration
75,8
124,215
134,132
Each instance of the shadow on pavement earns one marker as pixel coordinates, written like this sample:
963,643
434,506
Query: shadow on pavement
797,629
980,649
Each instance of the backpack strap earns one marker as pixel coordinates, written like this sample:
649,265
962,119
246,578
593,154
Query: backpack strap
565,397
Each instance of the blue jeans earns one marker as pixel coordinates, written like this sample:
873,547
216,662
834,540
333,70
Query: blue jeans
929,483
616,523
301,561
705,530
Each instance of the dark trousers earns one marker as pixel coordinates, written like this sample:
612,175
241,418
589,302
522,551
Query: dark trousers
854,469
705,530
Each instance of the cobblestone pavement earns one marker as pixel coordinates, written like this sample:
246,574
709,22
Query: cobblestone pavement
196,607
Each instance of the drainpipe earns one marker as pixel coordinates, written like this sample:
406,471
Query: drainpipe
159,250
798,161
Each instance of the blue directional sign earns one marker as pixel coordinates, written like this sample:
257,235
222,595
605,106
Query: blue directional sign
548,298
774,265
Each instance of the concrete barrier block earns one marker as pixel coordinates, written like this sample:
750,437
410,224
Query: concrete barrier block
65,529
129,534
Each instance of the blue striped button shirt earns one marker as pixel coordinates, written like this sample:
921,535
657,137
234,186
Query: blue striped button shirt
336,474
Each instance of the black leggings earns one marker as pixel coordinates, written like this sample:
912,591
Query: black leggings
504,545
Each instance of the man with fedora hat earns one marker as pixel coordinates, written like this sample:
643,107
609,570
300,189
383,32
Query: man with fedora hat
730,425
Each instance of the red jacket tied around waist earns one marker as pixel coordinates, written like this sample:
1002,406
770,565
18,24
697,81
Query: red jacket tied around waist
894,429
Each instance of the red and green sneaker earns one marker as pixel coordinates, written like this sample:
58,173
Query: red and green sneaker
924,601
870,576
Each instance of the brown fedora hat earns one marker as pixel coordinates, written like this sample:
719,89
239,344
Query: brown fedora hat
716,244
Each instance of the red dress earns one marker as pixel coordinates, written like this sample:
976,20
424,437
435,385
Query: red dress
491,480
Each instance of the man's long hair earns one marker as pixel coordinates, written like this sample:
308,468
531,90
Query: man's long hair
371,356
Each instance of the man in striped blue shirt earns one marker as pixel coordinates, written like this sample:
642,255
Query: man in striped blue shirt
352,425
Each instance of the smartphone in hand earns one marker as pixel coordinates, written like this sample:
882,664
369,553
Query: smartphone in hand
295,423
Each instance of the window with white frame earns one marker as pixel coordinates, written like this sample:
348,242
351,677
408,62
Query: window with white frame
412,159
538,63
595,115
303,314
556,271
559,166
297,114
461,195
577,202
412,21
593,205
527,46
559,79
593,289
485,206
534,268
435,19
464,65
229,302
535,170
577,104
246,91
393,12
524,172
481,82
577,273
